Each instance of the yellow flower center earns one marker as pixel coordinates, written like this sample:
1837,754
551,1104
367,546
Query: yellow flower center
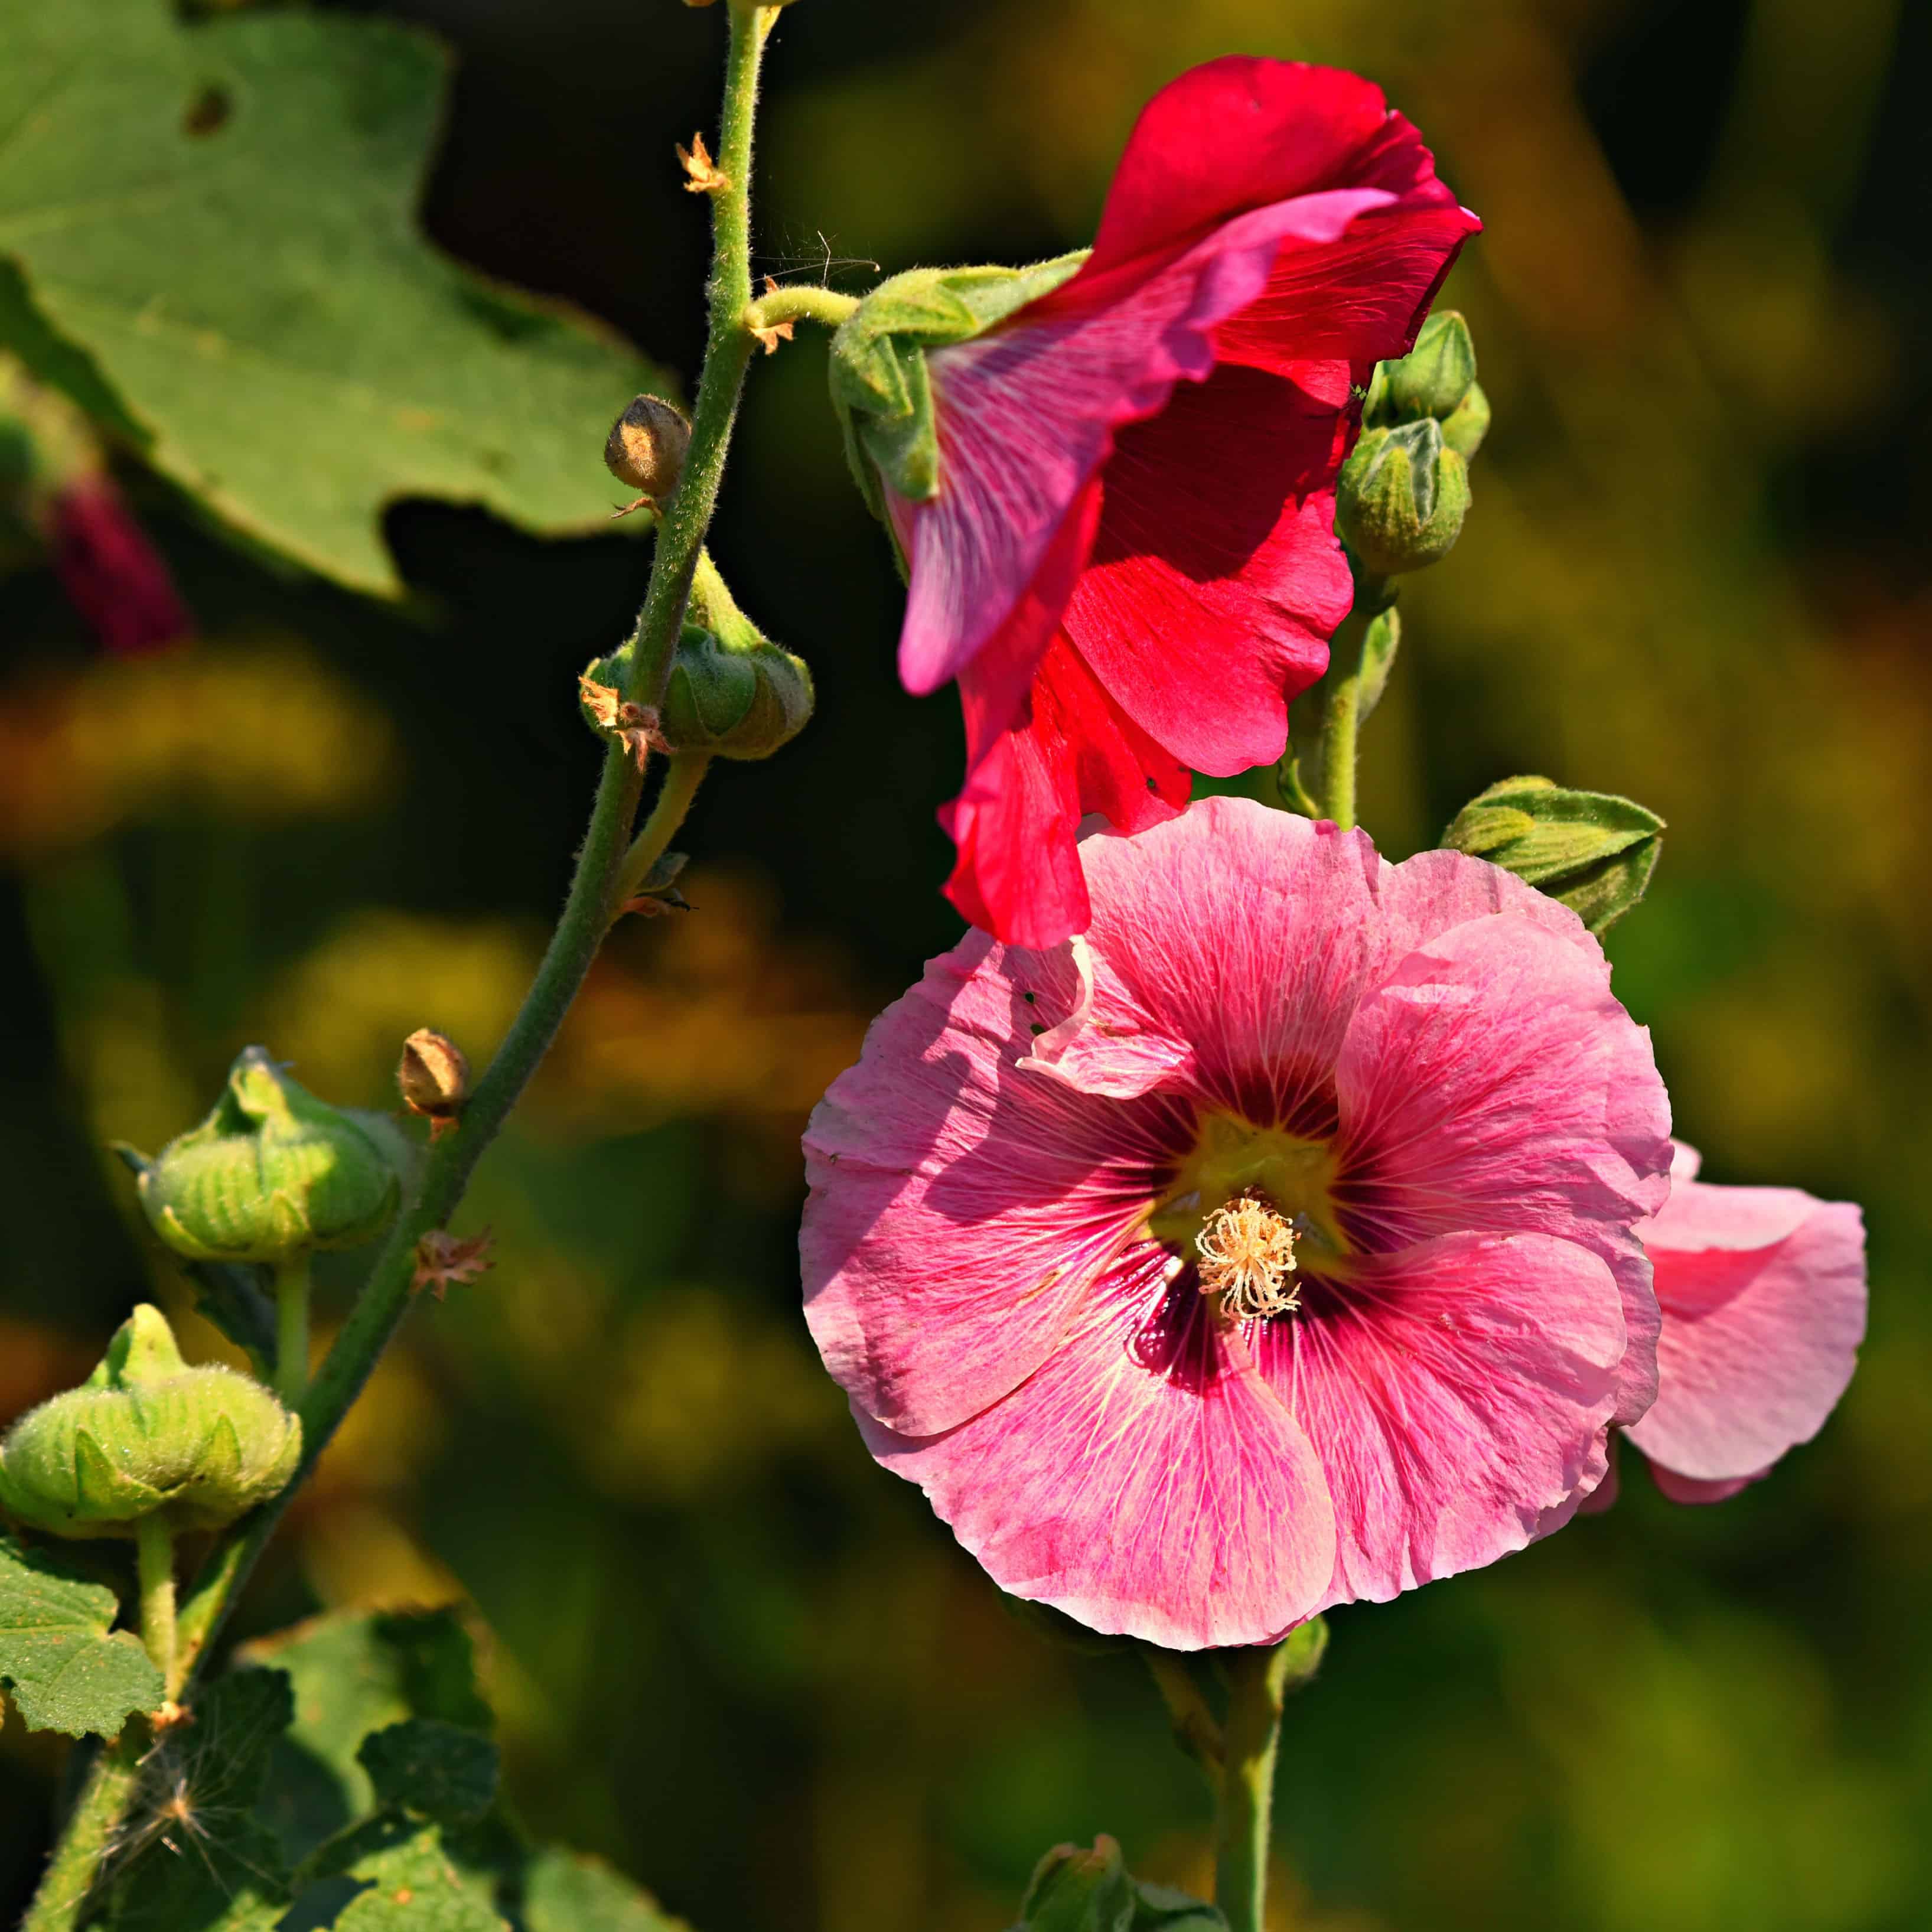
1249,1207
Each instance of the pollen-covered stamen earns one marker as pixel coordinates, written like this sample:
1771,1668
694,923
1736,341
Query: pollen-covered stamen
1247,1254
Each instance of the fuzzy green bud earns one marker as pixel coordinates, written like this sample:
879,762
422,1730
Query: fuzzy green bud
271,1171
1433,379
1465,427
734,693
144,1435
1401,498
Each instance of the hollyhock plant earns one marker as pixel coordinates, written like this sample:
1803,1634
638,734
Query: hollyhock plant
1272,1246
1112,479
1762,1292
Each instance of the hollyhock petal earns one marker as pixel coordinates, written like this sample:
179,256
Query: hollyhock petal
1186,1508
1763,1294
1434,892
1210,924
1108,1046
1456,1392
1355,303
1235,133
1218,523
1501,1086
1029,783
1688,1489
1026,415
957,1212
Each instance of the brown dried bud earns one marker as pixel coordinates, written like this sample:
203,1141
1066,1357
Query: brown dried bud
434,1076
646,446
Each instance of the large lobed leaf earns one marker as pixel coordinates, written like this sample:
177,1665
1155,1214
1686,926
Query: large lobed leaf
68,1669
222,218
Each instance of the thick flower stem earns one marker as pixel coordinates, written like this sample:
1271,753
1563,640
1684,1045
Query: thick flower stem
291,1328
728,350
808,304
1258,1683
1319,775
154,1563
67,1883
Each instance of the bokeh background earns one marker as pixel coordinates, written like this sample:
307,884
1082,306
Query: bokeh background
728,1651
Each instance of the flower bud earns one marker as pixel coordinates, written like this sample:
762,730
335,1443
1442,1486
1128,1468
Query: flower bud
146,1435
1401,498
271,1171
433,1077
1433,379
646,446
735,694
1592,849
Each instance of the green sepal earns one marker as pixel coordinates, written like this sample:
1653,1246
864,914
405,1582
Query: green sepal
1593,850
734,694
1077,1891
1464,428
1401,498
880,386
271,1171
1379,647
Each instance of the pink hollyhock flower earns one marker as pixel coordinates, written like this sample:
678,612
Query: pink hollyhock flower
1271,1246
1127,558
111,571
1762,1290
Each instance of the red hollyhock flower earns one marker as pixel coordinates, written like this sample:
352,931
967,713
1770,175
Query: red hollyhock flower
112,573
1118,517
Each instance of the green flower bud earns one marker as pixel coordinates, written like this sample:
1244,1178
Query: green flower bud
878,367
1592,849
271,1172
733,693
146,1435
1401,498
1433,379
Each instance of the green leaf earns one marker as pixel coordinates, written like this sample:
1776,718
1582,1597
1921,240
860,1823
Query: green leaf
216,228
353,1675
565,1892
428,1766
1591,849
68,1669
196,1859
413,1878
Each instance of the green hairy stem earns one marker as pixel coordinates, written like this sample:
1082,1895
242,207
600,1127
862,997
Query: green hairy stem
608,865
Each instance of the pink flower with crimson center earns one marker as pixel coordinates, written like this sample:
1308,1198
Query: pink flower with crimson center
1274,1246
1112,479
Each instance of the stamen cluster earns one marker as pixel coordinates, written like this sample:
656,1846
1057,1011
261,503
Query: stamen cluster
1247,1254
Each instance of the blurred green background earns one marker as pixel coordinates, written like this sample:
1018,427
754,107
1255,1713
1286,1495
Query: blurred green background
729,1652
